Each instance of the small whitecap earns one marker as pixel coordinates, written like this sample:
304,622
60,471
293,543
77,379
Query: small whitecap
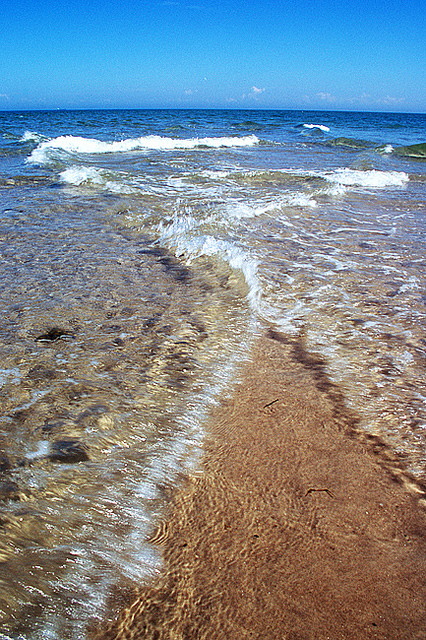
321,127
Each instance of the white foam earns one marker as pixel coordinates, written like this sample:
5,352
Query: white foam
337,189
237,259
301,200
93,176
370,178
322,127
215,175
240,209
32,136
285,201
78,145
78,175
183,237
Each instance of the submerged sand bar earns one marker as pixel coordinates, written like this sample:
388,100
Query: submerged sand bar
296,528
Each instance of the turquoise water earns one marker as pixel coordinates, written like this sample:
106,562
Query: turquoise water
141,253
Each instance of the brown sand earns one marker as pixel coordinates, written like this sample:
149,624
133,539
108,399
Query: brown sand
297,528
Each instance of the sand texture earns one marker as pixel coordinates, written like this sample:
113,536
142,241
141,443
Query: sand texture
297,527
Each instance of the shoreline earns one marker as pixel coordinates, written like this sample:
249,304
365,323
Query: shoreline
297,526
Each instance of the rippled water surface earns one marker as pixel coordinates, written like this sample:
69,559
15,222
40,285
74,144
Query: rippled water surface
141,251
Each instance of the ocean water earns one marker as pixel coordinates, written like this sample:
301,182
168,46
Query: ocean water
141,254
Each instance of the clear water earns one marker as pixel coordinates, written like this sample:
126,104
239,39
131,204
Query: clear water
141,253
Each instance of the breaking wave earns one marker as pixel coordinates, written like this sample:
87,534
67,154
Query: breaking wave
321,127
45,151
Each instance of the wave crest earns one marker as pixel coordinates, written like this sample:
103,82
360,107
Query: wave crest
45,151
321,127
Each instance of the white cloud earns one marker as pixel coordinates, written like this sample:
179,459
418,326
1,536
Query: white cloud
362,99
365,99
326,97
389,100
252,94
4,96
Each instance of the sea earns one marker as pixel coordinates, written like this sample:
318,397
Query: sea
142,254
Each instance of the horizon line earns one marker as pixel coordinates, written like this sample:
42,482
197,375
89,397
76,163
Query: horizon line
50,109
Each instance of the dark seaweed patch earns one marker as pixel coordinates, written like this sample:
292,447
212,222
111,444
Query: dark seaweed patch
53,334
40,372
412,151
179,272
68,451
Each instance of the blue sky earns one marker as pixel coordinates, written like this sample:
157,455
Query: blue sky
330,54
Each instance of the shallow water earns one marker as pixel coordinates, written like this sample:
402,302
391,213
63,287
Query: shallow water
141,252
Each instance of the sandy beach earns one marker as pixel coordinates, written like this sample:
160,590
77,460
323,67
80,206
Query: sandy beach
297,526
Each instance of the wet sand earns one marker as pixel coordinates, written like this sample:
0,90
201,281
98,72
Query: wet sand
297,526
